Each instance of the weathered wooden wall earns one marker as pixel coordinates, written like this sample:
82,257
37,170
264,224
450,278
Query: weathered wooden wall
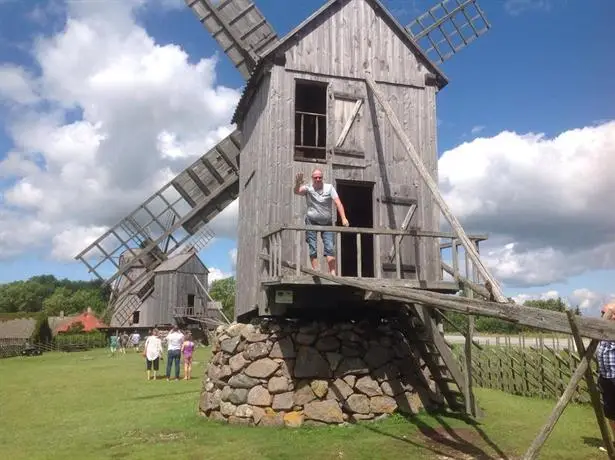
172,289
257,174
337,49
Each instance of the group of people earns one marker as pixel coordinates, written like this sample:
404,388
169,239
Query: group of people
119,342
178,345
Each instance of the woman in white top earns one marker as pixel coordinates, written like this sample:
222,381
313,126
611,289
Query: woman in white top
152,351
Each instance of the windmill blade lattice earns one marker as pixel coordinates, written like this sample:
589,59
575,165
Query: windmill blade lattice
448,27
239,27
145,238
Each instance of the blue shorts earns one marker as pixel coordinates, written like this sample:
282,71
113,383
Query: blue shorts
327,240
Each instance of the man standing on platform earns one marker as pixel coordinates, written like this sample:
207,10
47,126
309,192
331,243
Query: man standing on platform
319,198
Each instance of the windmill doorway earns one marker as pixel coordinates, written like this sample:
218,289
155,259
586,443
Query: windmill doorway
357,198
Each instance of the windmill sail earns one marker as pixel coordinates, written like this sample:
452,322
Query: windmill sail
144,239
239,27
448,27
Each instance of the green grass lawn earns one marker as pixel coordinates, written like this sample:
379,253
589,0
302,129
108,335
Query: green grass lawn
90,405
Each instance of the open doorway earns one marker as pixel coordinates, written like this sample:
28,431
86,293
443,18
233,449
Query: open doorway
357,198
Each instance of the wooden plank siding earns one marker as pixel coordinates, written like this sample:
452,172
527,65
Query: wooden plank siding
171,289
350,37
336,50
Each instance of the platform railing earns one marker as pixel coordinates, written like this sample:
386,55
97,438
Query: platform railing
274,241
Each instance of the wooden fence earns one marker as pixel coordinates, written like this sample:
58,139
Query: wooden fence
10,347
540,371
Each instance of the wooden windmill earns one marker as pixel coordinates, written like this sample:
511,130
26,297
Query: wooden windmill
352,92
174,219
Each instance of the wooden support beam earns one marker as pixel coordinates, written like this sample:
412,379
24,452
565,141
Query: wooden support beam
476,288
593,389
404,226
563,401
594,328
433,187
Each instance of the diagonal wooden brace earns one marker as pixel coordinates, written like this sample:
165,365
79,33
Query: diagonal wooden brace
433,187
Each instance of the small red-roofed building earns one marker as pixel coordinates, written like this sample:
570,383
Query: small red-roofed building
88,319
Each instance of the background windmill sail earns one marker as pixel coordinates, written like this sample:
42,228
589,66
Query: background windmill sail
447,27
145,238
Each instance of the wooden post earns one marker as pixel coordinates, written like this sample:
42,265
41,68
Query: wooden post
338,254
298,252
378,268
397,256
433,187
593,389
455,257
417,257
563,401
359,257
469,394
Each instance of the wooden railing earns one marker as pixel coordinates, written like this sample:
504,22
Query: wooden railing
314,134
273,246
198,311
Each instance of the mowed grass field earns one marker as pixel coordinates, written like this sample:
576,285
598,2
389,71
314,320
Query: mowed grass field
89,405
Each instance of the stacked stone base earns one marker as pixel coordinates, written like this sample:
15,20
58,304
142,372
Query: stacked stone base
290,373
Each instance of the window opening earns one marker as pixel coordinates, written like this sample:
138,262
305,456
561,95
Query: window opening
310,120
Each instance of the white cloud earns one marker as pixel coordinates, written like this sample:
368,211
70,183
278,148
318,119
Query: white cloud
522,298
588,301
16,85
516,7
225,223
477,129
216,274
17,233
233,254
68,243
111,117
535,196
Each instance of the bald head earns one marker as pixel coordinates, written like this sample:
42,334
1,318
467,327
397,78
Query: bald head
608,311
317,178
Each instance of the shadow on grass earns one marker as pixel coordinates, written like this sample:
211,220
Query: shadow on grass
161,395
476,425
593,442
446,440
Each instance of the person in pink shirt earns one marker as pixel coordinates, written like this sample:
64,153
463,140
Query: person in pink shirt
187,350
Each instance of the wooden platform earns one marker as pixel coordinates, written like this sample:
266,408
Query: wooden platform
307,280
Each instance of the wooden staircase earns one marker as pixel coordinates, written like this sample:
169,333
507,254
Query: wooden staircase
421,331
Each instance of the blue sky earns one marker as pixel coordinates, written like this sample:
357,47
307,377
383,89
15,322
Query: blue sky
544,67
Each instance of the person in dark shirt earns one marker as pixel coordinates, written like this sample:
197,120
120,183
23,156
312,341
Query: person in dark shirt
605,355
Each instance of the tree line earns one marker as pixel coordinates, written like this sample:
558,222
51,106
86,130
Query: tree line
498,326
50,295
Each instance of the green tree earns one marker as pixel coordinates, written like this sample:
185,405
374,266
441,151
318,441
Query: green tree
547,304
223,291
92,298
60,300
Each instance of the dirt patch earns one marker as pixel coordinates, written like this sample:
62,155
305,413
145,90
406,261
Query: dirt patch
156,436
459,444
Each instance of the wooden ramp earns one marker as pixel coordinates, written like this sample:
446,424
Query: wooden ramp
593,328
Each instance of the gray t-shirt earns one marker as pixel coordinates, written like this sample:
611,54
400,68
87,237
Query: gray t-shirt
319,203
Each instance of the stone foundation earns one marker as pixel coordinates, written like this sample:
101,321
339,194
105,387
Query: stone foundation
286,372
